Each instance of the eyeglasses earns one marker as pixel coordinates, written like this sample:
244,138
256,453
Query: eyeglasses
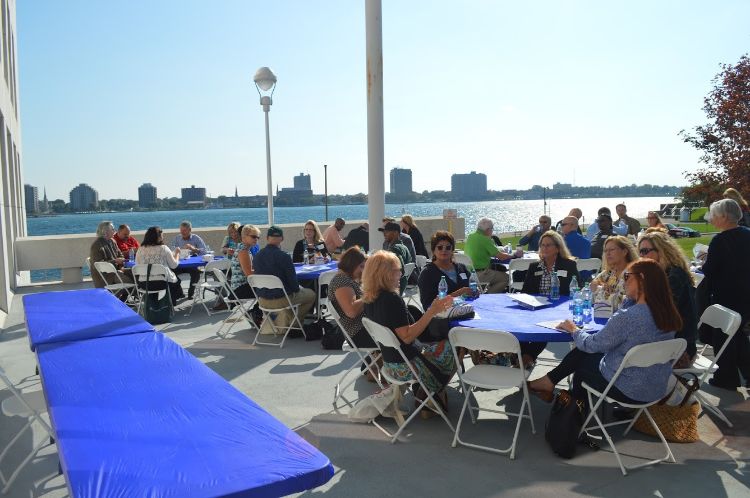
627,275
544,222
645,250
443,248
565,224
256,237
547,245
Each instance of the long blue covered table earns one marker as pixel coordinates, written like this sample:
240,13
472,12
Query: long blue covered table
190,263
137,415
78,315
500,312
313,272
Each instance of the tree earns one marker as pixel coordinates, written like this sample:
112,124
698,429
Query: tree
725,140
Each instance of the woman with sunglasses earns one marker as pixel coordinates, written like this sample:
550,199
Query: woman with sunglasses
619,252
648,315
661,248
442,265
242,262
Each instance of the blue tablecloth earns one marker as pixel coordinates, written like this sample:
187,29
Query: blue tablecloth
185,264
49,316
313,272
500,312
137,415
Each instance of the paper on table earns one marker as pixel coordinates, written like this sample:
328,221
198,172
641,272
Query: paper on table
552,324
307,268
529,301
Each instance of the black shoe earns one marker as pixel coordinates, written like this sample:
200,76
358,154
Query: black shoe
722,385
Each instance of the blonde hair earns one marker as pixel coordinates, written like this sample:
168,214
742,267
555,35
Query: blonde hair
318,235
233,225
562,247
670,253
377,275
250,230
733,194
409,221
622,243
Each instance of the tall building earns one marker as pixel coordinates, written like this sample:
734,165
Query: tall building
83,198
193,194
469,186
32,198
12,209
401,181
45,202
302,182
147,196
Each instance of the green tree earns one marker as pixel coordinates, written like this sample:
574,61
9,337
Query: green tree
725,140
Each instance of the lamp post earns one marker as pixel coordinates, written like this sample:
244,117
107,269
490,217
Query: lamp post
265,83
325,175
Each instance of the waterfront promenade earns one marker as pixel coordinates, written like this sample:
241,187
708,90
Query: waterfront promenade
296,385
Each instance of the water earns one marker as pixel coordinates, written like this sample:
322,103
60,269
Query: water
508,216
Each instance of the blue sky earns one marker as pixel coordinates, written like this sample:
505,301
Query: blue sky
115,94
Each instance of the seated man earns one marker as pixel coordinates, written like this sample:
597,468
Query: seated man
604,222
594,227
481,249
125,242
579,246
404,237
393,243
271,260
634,226
105,249
533,235
359,236
332,236
193,243
577,213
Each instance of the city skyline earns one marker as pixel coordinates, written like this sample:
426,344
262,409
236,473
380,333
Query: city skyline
525,93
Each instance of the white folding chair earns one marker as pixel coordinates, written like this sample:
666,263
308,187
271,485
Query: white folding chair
385,337
324,280
718,317
104,268
593,265
490,377
464,260
240,308
422,261
272,282
517,264
411,290
30,406
641,356
362,353
159,273
212,285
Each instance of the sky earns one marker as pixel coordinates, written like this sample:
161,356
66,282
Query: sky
115,94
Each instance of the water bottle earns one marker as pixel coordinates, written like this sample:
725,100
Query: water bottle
442,288
474,283
554,288
573,290
131,254
577,309
306,256
586,297
508,248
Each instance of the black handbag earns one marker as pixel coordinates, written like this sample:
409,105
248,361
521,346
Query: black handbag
157,310
564,423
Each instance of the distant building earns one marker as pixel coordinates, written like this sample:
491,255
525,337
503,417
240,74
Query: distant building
45,202
400,181
147,196
469,186
84,198
193,195
32,198
301,193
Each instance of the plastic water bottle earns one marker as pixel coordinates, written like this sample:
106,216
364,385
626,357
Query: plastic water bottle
305,256
442,288
474,283
508,248
573,289
586,297
131,254
554,288
577,309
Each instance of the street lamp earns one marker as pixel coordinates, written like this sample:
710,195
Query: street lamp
265,83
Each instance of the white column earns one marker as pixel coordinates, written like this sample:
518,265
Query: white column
375,154
266,103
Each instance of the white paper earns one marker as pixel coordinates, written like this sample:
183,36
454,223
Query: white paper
552,324
530,301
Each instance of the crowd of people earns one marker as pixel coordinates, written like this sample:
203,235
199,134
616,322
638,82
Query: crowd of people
645,278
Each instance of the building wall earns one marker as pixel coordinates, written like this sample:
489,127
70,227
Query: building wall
83,198
302,182
12,196
32,198
146,195
193,193
469,185
401,181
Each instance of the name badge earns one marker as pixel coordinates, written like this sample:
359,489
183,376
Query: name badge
539,273
462,276
604,236
562,273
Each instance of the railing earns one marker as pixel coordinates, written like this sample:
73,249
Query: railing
69,252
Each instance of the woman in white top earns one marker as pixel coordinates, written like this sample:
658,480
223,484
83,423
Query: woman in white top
154,251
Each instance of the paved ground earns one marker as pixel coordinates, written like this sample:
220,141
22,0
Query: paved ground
296,384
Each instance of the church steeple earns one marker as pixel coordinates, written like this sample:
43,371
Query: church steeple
45,203
235,192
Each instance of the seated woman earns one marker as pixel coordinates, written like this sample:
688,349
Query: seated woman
242,262
434,362
654,220
609,285
410,228
312,240
442,265
345,294
232,240
662,248
649,315
553,257
154,251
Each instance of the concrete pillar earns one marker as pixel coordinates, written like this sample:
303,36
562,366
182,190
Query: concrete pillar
375,153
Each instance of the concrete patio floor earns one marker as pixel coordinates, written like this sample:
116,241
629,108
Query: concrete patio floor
296,385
